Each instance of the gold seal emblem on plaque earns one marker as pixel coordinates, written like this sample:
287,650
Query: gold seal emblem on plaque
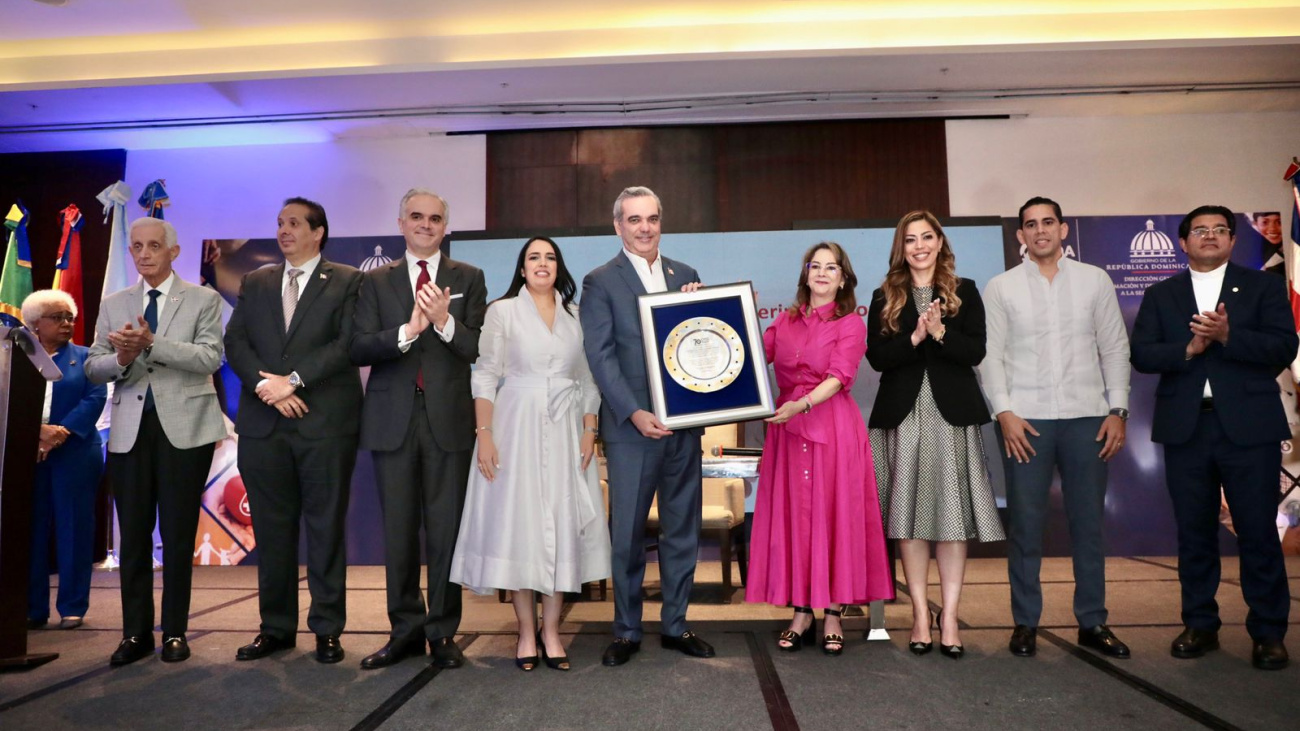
703,354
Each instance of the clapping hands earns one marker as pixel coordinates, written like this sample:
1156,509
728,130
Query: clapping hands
130,341
930,324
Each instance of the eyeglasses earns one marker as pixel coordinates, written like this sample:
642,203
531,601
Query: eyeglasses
62,317
1201,232
830,269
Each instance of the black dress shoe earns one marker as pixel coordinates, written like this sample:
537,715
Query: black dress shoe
620,651
1101,639
688,643
1194,643
446,653
956,652
1024,641
175,649
392,653
556,662
261,646
1269,655
37,623
328,649
131,649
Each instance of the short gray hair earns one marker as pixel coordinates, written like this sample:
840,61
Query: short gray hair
401,207
37,304
169,231
636,191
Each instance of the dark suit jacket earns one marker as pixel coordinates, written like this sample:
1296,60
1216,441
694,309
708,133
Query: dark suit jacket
315,345
611,329
384,305
1261,342
951,366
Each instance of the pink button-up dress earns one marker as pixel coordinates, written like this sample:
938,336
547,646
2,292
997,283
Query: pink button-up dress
817,537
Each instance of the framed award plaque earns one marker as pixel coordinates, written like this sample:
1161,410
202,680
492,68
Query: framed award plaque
704,356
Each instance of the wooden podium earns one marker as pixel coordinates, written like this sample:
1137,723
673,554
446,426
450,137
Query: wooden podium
24,369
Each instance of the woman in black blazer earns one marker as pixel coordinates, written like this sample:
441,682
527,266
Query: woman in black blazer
925,334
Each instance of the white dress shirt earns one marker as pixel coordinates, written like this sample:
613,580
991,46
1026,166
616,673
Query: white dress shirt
651,273
165,287
1207,286
1056,349
308,268
413,271
49,400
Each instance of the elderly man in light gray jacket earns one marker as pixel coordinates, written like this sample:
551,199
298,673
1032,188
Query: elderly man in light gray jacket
159,342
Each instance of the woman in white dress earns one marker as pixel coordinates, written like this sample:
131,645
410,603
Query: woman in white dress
534,518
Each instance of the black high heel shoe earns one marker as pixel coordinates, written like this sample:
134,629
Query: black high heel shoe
921,648
832,645
526,664
554,663
794,642
954,651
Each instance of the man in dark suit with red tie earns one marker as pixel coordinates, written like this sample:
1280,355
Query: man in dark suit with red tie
1219,334
417,326
299,409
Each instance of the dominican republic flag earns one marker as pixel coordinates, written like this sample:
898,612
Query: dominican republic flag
67,270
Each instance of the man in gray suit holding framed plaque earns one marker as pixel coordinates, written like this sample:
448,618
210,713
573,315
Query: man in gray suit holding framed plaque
159,342
643,455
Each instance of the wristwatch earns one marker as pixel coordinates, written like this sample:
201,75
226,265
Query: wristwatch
295,380
1121,413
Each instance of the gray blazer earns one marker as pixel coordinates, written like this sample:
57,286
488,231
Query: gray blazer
611,329
186,352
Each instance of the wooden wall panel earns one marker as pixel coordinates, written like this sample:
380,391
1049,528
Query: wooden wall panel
720,178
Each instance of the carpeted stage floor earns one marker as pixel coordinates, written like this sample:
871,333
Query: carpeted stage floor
749,685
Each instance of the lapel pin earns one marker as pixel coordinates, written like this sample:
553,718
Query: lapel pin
72,363
1234,289
670,272
322,275
176,299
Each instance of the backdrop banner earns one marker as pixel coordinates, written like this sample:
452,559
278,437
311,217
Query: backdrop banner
769,259
1138,251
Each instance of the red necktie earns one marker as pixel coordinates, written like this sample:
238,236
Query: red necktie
420,281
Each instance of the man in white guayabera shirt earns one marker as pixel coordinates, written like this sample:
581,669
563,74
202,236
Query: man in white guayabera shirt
1057,378
1219,334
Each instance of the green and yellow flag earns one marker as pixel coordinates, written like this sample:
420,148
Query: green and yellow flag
16,278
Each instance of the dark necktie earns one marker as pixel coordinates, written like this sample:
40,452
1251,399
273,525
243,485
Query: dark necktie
420,281
151,318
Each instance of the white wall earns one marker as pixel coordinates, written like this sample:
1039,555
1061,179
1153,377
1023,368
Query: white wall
1135,165
236,192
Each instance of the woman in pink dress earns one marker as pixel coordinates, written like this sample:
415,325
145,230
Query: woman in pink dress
817,540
